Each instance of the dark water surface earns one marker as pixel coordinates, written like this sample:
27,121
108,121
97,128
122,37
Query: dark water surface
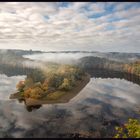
108,100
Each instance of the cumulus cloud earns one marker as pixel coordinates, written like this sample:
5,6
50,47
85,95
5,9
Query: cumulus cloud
70,26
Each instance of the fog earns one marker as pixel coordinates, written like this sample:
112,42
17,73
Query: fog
72,58
40,60
62,58
34,64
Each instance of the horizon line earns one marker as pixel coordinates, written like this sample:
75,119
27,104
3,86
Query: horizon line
92,51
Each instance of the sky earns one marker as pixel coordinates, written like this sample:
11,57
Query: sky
83,26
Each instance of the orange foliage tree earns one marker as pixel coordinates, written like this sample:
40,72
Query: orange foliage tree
20,86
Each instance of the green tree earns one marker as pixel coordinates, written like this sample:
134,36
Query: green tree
131,129
66,85
54,80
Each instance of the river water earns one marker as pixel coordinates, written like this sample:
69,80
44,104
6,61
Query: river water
105,102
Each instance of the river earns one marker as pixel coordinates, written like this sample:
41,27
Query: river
105,102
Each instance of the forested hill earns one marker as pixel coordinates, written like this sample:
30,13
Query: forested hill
12,61
19,52
91,63
133,68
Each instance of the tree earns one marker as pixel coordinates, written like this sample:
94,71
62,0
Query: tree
72,80
35,93
27,93
54,80
20,86
36,75
45,86
131,129
29,82
66,85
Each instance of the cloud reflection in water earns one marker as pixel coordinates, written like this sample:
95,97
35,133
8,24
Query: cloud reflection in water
101,100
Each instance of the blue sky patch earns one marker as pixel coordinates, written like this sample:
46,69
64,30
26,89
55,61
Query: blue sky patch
46,18
110,27
96,15
64,4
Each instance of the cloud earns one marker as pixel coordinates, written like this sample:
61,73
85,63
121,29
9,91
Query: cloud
65,26
8,85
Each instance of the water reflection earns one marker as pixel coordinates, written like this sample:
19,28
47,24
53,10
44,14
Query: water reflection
106,77
103,104
8,85
30,108
106,73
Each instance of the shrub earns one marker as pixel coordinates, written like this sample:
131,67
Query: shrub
129,130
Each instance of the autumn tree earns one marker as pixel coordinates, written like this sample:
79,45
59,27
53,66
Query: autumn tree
27,93
20,86
28,82
131,129
35,93
66,85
